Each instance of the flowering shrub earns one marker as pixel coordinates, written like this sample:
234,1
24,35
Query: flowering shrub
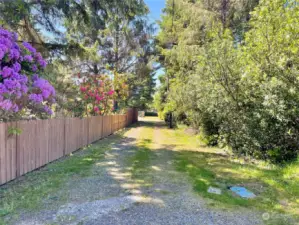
97,94
21,89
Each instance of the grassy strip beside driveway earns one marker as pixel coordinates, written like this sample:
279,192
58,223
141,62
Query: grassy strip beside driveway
38,189
277,188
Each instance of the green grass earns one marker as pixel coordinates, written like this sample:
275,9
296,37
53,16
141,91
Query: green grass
277,188
37,189
141,160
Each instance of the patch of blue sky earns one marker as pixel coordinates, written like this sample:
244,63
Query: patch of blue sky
156,9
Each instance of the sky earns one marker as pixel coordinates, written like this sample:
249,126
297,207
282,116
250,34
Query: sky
155,7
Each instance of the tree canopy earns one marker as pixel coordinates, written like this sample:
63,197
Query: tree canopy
231,66
233,72
89,37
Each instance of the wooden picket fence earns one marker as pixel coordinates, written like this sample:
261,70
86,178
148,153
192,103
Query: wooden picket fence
43,141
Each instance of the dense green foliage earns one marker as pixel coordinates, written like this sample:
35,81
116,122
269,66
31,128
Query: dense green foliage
233,73
89,37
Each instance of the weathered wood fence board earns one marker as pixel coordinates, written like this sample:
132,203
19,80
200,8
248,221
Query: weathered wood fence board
76,134
95,124
118,122
26,146
56,139
85,132
43,141
107,125
114,123
8,168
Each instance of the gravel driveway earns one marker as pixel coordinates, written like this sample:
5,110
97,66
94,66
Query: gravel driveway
119,193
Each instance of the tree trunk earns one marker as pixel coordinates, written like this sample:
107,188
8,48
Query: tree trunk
117,30
95,69
224,12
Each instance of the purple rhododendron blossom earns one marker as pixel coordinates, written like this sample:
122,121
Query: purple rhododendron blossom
3,48
16,90
42,63
15,36
24,88
34,77
15,108
14,54
38,56
12,84
28,58
1,54
6,105
29,47
46,93
36,98
48,110
6,72
17,67
46,88
3,90
34,68
40,60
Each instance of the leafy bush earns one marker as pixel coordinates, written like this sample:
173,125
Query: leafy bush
239,90
21,89
95,96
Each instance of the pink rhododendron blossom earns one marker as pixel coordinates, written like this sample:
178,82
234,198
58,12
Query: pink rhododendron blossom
99,98
83,89
111,92
96,90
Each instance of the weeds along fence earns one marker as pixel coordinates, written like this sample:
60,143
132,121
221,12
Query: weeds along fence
43,141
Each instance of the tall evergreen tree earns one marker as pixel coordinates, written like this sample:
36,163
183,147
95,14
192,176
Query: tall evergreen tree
90,37
232,73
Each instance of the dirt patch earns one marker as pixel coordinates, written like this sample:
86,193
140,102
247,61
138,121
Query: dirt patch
191,131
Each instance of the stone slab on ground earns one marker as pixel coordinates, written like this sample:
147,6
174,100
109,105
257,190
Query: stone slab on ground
214,190
242,192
